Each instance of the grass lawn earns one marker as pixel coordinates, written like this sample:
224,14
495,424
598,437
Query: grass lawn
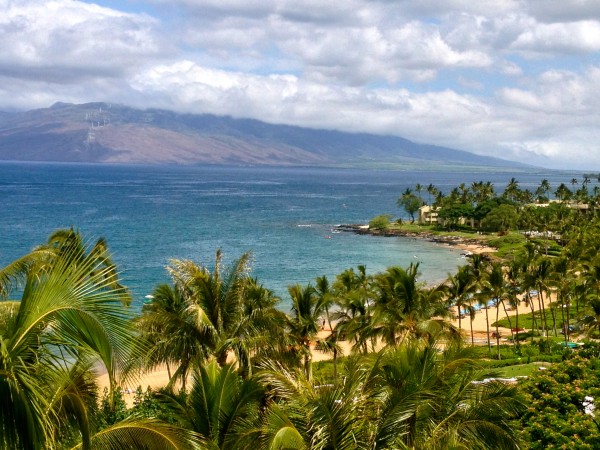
520,370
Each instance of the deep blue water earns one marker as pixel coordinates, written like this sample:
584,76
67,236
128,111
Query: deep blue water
149,214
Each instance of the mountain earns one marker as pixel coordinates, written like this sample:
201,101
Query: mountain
108,133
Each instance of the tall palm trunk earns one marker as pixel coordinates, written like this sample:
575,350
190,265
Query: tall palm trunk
542,313
553,314
308,364
487,325
472,315
497,332
516,339
335,356
534,325
512,334
543,310
563,318
568,331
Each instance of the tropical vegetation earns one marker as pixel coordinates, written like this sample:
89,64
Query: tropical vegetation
240,368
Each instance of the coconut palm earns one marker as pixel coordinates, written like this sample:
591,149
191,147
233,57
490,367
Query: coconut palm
353,294
592,321
539,273
514,276
458,289
325,296
303,323
429,401
478,267
207,314
405,308
308,416
496,289
432,191
70,317
220,408
406,396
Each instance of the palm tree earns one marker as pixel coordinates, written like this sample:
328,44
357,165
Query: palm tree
309,416
512,190
418,190
514,280
353,294
220,408
70,317
303,324
208,314
405,308
592,321
542,191
406,396
495,287
478,267
428,401
325,296
432,191
458,288
539,273
563,193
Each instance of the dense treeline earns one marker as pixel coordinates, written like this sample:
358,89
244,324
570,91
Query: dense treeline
241,370
513,208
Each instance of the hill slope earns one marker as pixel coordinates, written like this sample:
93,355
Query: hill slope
98,132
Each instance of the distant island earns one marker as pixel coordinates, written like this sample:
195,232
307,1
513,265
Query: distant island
109,133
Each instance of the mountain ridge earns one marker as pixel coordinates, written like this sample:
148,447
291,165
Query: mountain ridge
107,133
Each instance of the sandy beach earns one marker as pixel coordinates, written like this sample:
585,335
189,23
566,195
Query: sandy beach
159,377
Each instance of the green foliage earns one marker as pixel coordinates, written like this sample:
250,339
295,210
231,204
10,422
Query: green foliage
485,207
510,245
556,417
452,213
381,222
112,408
501,218
146,403
410,203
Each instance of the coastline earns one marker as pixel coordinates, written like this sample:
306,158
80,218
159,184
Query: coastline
158,377
470,245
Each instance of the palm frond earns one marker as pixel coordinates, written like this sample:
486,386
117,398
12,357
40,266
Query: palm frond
146,434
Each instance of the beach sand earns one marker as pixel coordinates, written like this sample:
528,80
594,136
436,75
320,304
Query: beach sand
479,322
159,377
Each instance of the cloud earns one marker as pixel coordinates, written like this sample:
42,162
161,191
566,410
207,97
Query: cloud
499,77
565,38
66,41
563,11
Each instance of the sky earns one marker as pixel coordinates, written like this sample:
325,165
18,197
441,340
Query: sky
515,79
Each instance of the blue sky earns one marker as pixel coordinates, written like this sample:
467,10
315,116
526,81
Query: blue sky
516,79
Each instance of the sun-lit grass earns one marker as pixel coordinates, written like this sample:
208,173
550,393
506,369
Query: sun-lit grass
520,370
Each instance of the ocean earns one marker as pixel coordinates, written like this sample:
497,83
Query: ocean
284,216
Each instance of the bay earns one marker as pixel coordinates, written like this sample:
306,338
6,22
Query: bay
284,216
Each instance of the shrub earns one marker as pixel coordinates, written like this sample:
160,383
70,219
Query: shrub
381,222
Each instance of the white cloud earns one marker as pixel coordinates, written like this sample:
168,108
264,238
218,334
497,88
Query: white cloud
567,38
380,66
65,40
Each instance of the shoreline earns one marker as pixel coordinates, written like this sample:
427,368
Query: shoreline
158,377
471,245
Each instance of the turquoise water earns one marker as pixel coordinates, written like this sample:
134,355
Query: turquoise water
149,214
